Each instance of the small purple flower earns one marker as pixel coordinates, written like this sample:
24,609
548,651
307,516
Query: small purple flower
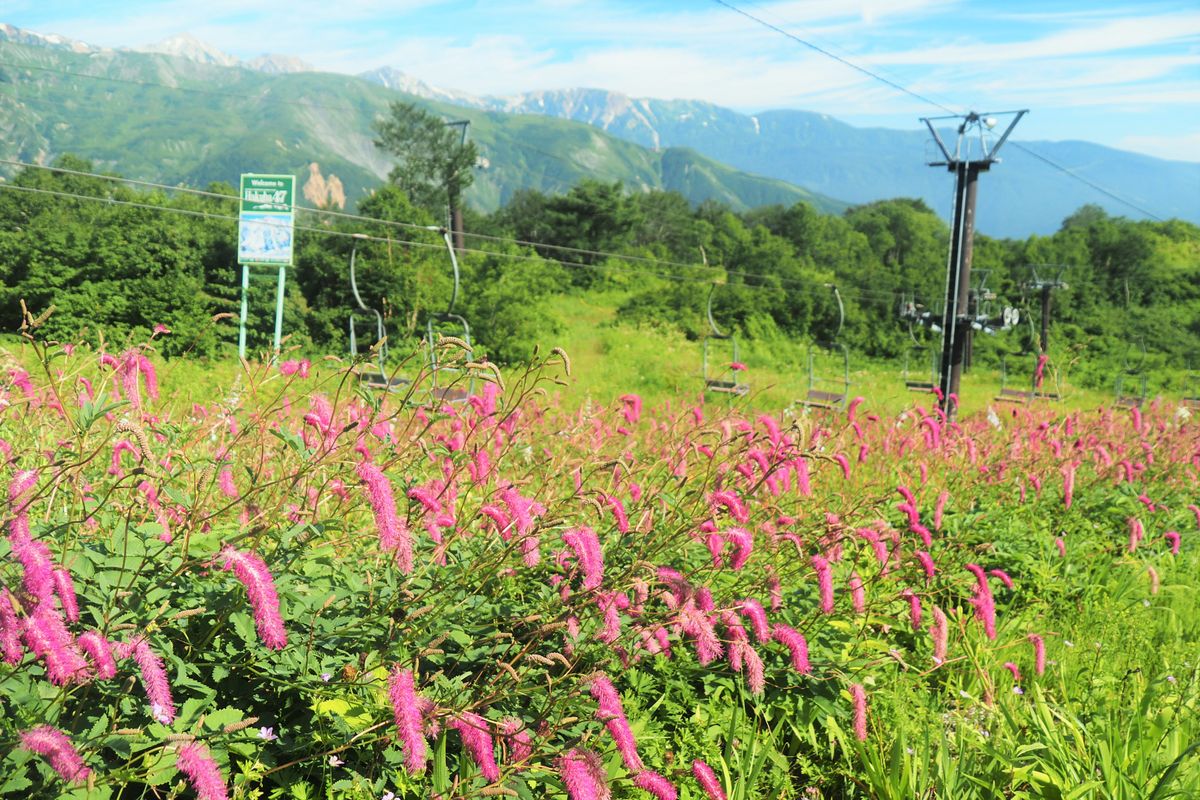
267,734
334,761
325,676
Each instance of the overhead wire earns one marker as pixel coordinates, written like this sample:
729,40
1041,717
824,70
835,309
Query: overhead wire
905,90
822,50
654,262
670,276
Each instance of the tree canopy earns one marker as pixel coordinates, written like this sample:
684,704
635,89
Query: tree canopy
122,261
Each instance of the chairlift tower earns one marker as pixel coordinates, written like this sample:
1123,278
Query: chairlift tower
452,198
1044,286
973,132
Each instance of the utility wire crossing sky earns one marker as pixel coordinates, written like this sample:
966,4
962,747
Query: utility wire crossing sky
1126,75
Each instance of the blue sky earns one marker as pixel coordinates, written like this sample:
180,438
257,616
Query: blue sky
1124,74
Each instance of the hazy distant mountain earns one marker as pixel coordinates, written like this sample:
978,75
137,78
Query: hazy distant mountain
187,46
274,64
1021,195
186,118
544,140
403,82
11,33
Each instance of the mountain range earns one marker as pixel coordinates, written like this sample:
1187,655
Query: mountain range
180,111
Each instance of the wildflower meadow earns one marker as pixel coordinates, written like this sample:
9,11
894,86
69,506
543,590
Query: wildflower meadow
299,587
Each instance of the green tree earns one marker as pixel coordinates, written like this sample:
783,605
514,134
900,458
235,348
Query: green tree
436,164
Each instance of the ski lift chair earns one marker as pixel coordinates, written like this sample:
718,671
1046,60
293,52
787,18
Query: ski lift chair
1026,392
1130,388
916,354
1009,393
373,375
448,384
1191,389
723,380
919,382
1013,394
824,391
919,352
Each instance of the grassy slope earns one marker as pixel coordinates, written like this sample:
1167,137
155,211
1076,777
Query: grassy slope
609,359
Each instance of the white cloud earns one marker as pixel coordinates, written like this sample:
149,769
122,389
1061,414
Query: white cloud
1176,148
1113,36
1135,59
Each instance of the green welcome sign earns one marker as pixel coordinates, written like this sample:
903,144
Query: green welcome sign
267,220
266,227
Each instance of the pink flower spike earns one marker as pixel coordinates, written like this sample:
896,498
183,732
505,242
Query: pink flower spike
914,608
656,785
406,711
35,558
393,532
100,651
584,775
10,629
203,773
927,564
1003,576
1039,652
859,697
939,631
611,712
743,546
260,589
939,509
844,463
22,481
796,644
66,594
586,545
477,741
1016,673
984,604
1068,473
857,594
517,739
154,679
754,611
47,636
55,747
824,582
852,408
708,780
1172,538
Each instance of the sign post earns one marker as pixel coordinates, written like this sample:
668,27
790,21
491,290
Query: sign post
266,225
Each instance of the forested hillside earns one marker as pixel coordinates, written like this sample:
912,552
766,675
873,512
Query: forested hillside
173,120
125,260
